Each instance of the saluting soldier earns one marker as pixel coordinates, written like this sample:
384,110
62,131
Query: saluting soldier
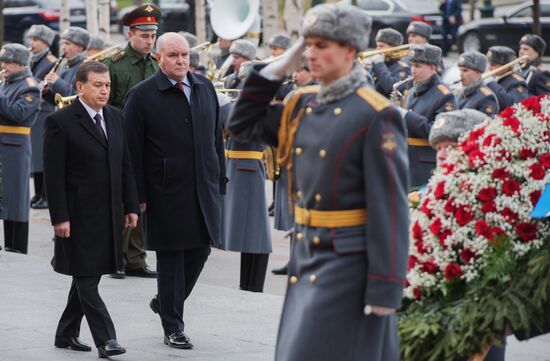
419,32
344,146
19,106
428,97
536,77
127,68
42,61
241,50
475,95
385,70
510,88
74,44
135,63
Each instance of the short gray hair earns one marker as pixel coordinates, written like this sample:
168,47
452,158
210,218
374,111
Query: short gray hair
168,36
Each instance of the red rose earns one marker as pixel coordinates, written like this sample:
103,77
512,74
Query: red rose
500,173
443,236
510,187
426,209
448,168
417,232
532,103
475,134
439,192
534,197
511,122
496,234
467,254
430,267
412,261
417,294
483,229
537,171
463,215
452,271
509,215
504,155
527,153
545,160
507,112
450,206
435,227
467,146
488,207
420,248
476,156
526,231
487,194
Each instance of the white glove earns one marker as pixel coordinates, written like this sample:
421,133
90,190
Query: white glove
376,59
378,310
289,62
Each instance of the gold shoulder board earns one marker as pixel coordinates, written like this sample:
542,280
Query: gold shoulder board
375,99
118,56
51,58
30,82
298,92
443,89
486,91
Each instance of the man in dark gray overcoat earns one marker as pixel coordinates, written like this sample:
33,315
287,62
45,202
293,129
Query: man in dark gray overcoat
19,106
345,149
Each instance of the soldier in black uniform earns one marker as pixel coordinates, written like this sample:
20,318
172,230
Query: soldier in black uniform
510,88
536,77
475,95
344,147
427,97
385,70
19,106
41,38
241,50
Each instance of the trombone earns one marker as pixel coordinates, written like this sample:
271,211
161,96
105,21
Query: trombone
104,53
392,53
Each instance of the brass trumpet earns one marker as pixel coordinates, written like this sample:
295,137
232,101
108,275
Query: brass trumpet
202,46
62,102
104,53
396,52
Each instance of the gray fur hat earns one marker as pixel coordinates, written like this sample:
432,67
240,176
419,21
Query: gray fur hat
425,53
473,60
191,38
338,22
389,36
452,125
77,36
15,53
42,32
501,55
96,43
420,28
534,41
243,48
280,41
193,58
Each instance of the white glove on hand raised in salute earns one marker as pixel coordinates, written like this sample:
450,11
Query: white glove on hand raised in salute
289,62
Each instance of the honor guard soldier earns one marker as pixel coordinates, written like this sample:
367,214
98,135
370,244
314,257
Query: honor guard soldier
510,88
387,71
475,95
278,45
42,61
74,44
536,77
135,63
422,103
419,32
241,50
19,106
127,68
344,147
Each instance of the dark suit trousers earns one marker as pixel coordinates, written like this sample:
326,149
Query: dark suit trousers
253,269
177,273
84,300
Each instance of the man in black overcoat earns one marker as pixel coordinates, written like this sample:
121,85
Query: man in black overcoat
176,146
91,188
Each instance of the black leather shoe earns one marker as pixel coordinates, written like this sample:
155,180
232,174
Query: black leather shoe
110,348
14,250
73,343
34,200
145,272
178,340
280,271
154,305
119,275
40,204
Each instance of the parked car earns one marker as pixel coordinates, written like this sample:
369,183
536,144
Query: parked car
506,30
20,15
399,13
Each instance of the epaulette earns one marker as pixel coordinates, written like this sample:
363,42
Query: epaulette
443,89
403,64
30,82
375,99
517,77
51,58
121,54
486,91
298,92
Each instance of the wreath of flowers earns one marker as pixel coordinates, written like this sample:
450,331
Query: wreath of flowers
472,232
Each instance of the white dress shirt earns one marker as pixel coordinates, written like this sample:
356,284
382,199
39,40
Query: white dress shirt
92,114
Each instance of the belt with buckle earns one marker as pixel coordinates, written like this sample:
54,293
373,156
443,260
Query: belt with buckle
418,142
330,219
243,154
10,129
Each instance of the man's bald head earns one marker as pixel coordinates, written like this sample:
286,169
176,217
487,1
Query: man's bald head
173,55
